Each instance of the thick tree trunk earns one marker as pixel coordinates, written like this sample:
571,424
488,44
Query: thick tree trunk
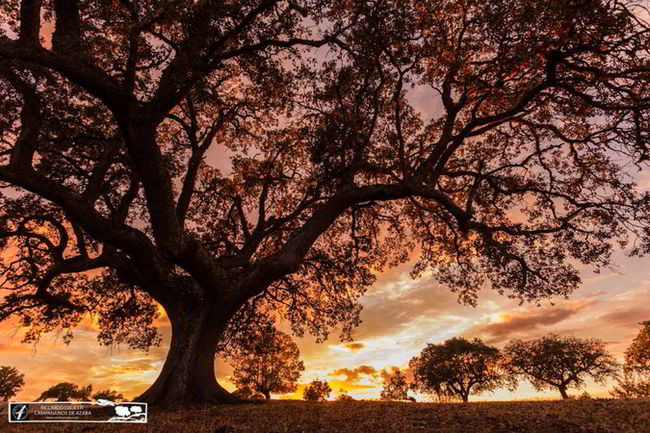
188,373
267,395
562,389
465,398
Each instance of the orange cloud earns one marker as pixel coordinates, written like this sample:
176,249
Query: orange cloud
513,323
355,374
355,346
387,374
626,318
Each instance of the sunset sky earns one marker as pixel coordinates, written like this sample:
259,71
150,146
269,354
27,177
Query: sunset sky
400,315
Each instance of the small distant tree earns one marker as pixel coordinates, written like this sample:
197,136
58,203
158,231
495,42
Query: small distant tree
11,381
317,390
108,394
66,391
343,396
395,387
631,385
559,362
637,356
458,368
635,380
269,363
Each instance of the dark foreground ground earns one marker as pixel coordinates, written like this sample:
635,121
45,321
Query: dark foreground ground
576,416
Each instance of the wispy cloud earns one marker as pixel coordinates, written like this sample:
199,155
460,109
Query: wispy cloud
505,325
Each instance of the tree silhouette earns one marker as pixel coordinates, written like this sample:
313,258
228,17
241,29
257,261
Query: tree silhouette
637,356
395,387
635,381
203,156
344,397
108,394
66,391
631,384
317,390
458,368
11,382
559,362
270,363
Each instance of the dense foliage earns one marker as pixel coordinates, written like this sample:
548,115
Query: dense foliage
317,390
66,391
560,363
11,382
240,160
269,363
395,387
459,368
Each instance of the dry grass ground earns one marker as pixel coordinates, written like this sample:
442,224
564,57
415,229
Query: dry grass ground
576,416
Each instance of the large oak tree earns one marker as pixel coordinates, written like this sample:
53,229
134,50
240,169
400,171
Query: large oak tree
245,159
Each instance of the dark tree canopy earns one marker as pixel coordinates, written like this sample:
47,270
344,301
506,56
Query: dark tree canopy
66,391
317,390
269,363
246,159
459,368
556,362
11,382
395,387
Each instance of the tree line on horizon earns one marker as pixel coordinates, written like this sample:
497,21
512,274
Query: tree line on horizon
269,363
12,381
454,369
458,368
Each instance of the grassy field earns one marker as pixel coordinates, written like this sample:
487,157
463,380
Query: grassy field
575,416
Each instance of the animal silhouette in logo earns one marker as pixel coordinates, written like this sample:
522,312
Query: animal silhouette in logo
19,412
129,413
